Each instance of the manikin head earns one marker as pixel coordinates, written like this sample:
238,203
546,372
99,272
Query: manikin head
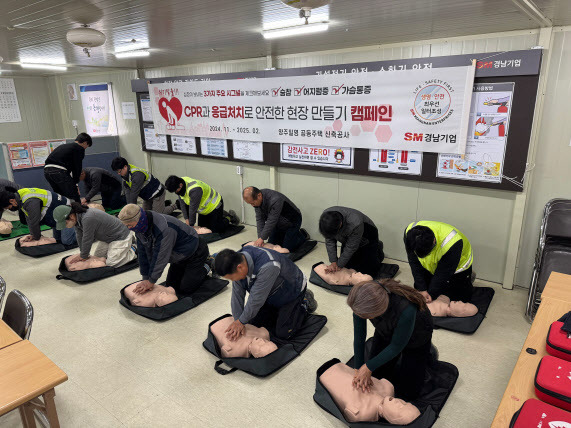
231,265
260,347
6,227
175,184
358,277
397,411
461,309
253,196
8,201
421,240
120,166
84,140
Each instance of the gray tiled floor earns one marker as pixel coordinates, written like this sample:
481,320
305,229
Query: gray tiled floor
125,370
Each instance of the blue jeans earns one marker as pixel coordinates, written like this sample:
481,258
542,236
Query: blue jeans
65,236
291,238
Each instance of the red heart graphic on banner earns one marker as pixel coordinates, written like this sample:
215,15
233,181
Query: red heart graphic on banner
174,105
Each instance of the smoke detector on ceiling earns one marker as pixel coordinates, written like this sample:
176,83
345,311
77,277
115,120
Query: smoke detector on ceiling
305,6
85,38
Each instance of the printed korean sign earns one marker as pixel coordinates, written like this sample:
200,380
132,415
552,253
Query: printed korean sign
333,157
414,110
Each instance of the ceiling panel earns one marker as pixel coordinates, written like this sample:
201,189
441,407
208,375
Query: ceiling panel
193,31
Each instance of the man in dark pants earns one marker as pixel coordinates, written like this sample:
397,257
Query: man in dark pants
197,197
278,220
99,180
440,258
36,207
162,239
279,299
360,246
63,167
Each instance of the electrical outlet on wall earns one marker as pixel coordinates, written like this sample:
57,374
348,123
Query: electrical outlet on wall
239,170
74,123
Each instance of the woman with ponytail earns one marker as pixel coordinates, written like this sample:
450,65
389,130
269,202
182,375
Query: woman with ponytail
403,330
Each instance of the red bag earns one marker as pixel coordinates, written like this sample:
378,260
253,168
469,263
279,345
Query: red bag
535,413
553,382
558,344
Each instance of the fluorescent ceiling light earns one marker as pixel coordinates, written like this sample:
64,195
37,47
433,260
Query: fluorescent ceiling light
44,66
132,54
296,31
127,47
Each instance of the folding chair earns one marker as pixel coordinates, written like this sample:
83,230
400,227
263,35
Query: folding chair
553,250
18,314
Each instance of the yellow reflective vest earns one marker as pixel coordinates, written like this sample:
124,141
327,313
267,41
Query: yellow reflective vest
210,197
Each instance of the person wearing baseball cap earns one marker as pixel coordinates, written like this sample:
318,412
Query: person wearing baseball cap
162,239
115,241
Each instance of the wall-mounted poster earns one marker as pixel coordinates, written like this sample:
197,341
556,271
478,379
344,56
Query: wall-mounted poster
395,161
154,141
9,108
146,108
214,147
98,109
333,157
248,150
54,144
184,145
19,155
39,150
487,136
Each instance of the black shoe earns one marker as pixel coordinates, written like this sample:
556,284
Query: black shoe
309,301
234,219
168,203
177,203
305,234
210,264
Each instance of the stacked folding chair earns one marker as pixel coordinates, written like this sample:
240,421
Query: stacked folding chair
553,250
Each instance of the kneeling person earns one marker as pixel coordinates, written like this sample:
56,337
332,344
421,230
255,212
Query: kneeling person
162,239
36,206
99,180
440,258
277,287
115,240
198,197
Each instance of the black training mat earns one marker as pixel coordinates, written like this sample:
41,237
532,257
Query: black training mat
230,231
209,288
302,250
440,382
481,297
386,271
43,250
95,274
265,366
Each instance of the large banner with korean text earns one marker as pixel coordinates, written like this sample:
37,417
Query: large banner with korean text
424,110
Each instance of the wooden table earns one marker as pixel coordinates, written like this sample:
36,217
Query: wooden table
558,287
25,375
7,335
521,384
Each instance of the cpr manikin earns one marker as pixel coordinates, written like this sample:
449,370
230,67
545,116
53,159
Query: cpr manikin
5,227
343,276
159,295
32,243
254,342
269,246
90,263
359,406
202,230
443,307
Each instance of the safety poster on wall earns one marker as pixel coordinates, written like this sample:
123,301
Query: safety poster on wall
487,136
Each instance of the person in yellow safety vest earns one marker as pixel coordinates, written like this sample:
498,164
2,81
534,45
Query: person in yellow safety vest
440,257
140,183
197,197
36,207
